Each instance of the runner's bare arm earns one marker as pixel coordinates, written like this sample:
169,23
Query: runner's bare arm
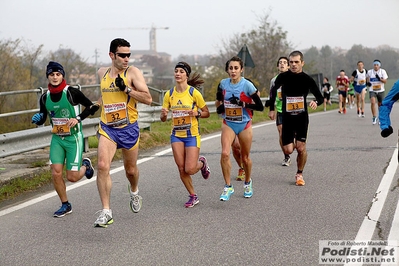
140,90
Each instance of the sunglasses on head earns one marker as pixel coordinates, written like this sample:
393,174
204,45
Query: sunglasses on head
123,55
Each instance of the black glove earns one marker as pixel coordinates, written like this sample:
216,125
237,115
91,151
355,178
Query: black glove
377,77
386,132
219,95
235,100
368,84
120,83
220,109
267,103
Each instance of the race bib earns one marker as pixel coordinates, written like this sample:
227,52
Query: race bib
116,114
361,82
295,104
233,112
181,120
59,127
376,87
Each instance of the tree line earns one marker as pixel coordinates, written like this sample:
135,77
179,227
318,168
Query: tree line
22,66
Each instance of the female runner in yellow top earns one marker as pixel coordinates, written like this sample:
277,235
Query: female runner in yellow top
187,106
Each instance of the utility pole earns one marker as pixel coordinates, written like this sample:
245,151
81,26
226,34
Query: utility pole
96,65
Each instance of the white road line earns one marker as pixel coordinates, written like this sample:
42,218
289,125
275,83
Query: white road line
94,178
394,232
369,223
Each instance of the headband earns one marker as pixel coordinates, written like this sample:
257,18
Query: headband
376,62
181,65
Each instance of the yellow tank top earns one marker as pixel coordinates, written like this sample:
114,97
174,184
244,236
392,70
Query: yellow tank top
180,103
118,109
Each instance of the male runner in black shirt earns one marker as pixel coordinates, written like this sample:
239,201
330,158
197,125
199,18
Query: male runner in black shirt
295,86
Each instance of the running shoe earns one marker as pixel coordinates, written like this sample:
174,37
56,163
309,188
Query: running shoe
89,168
339,112
205,171
299,180
362,114
104,219
66,208
248,192
136,201
286,162
374,120
241,175
344,111
227,192
193,200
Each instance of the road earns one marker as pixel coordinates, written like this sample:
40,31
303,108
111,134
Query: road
349,187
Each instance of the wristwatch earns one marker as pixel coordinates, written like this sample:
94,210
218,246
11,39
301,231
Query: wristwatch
128,90
199,114
78,118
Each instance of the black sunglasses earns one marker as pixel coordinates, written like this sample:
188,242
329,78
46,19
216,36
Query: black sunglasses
123,55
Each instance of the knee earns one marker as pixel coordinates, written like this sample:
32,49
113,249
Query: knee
225,156
73,177
102,166
131,171
245,160
190,171
301,149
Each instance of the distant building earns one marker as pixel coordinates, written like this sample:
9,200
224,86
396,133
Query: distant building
138,54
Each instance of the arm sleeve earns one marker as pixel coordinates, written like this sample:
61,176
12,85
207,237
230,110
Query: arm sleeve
79,98
331,88
219,93
257,106
314,89
273,93
43,109
386,106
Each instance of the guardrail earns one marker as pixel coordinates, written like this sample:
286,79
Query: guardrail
38,138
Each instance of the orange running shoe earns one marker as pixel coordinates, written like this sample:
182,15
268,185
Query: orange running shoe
299,180
241,175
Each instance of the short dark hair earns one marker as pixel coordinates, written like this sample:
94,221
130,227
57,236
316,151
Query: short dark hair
296,53
234,58
118,42
342,70
283,57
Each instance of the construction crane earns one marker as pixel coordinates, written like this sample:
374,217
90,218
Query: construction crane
153,37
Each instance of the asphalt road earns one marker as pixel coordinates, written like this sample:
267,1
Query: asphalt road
280,225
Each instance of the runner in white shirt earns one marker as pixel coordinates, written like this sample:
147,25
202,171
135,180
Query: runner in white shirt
376,78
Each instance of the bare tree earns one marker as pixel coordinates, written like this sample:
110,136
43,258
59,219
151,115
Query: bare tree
266,42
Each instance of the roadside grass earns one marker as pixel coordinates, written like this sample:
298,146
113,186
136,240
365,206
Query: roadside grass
158,135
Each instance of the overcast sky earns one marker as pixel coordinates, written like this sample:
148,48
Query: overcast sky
196,26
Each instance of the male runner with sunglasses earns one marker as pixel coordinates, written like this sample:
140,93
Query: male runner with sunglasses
122,87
